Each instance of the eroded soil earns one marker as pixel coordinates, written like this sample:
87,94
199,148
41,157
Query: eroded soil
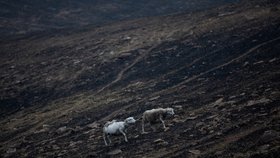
218,69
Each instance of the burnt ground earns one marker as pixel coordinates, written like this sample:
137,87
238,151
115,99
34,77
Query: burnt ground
218,69
30,17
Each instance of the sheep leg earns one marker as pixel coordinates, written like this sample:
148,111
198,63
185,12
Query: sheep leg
104,138
162,122
143,126
125,138
153,128
108,137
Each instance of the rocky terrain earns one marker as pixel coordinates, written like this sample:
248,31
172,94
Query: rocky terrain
20,18
218,68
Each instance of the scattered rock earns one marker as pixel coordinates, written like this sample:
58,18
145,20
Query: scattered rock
93,125
191,118
269,136
232,97
61,130
264,148
76,61
263,114
11,150
232,102
246,63
179,107
161,142
259,62
177,120
92,131
12,67
267,90
55,147
167,128
41,131
125,55
218,102
112,52
272,60
195,152
158,140
115,152
127,38
211,117
219,133
199,124
154,98
46,126
188,129
62,153
260,101
74,144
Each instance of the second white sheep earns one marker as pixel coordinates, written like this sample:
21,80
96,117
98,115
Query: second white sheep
156,115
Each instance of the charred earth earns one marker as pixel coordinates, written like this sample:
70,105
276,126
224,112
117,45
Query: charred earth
218,68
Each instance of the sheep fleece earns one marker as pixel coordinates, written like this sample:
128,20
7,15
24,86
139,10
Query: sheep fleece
153,115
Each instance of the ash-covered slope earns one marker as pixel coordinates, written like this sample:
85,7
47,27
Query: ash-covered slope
28,17
219,69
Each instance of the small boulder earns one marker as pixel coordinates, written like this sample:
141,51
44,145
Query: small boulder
115,152
218,102
11,150
61,130
269,136
93,125
179,107
195,152
160,142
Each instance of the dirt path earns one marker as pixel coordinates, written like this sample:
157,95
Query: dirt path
219,66
120,74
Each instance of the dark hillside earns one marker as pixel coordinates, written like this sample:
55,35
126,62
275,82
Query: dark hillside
30,17
219,69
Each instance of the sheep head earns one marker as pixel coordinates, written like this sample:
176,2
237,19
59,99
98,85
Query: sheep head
129,120
170,111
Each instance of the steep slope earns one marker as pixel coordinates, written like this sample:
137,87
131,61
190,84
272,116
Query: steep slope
25,17
219,69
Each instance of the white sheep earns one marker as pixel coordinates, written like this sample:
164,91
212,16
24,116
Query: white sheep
114,128
154,116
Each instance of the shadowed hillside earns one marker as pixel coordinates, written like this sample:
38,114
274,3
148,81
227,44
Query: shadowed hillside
30,17
218,68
